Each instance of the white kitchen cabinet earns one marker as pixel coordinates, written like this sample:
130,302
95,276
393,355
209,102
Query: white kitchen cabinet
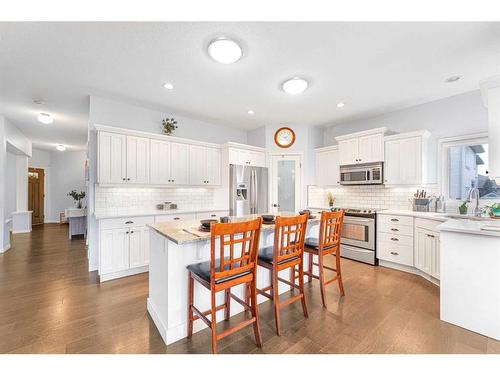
427,251
410,159
137,160
211,215
169,163
112,158
114,251
174,217
139,246
327,167
253,158
204,165
362,147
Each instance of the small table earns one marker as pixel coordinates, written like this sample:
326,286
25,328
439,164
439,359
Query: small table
77,219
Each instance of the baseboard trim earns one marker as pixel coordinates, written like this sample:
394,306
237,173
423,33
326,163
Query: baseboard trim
4,249
119,274
408,269
21,231
93,268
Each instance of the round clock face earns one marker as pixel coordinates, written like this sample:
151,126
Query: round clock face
284,137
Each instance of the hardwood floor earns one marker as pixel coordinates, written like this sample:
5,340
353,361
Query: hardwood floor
49,303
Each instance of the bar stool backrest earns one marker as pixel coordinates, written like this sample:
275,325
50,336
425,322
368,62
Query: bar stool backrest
289,236
238,248
330,229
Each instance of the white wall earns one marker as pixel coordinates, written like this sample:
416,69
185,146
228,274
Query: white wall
10,185
456,115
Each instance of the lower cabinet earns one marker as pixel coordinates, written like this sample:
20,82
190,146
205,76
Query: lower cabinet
427,251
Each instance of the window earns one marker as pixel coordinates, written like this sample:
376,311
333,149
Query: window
468,168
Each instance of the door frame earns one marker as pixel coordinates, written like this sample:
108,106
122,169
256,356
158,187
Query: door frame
40,171
298,180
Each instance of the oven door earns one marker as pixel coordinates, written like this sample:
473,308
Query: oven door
354,176
359,232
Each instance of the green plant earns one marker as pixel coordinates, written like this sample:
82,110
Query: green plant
463,208
169,125
77,197
495,206
331,198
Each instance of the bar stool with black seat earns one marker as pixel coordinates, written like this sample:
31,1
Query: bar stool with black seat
328,242
287,253
236,265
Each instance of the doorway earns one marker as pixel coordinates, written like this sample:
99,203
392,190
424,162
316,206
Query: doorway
286,182
36,195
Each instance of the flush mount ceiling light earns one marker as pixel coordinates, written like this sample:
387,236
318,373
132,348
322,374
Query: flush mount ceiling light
251,112
61,148
295,86
452,79
340,104
224,50
168,86
45,118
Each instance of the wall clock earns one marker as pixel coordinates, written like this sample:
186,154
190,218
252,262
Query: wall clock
284,137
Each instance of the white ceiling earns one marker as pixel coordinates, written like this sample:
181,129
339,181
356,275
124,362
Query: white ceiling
372,67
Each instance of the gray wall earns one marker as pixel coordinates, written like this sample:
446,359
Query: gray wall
456,115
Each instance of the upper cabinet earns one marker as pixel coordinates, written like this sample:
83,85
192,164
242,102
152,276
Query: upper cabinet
410,159
327,166
204,165
122,159
250,157
362,147
169,163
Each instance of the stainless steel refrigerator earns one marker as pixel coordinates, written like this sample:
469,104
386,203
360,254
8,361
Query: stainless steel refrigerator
248,190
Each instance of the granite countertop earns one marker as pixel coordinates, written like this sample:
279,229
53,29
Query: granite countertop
464,226
184,232
438,216
116,215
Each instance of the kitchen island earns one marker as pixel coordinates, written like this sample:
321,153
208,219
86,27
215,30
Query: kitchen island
174,246
470,275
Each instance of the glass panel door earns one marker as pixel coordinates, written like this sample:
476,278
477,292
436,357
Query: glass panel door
286,183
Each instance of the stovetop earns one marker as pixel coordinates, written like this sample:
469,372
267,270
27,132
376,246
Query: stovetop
358,212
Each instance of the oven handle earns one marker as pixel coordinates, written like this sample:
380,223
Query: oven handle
356,219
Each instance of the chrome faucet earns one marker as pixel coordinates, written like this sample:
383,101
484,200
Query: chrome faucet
477,210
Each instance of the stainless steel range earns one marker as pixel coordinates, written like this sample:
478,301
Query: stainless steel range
358,235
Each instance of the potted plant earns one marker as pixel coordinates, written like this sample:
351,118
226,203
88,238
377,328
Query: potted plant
77,197
331,199
463,208
495,209
169,125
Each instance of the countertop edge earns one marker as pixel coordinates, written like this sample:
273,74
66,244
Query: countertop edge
158,213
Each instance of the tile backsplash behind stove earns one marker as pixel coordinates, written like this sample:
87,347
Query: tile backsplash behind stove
118,200
365,196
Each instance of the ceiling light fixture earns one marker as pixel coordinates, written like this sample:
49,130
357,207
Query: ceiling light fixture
340,104
45,118
452,79
295,86
224,50
251,112
61,148
168,86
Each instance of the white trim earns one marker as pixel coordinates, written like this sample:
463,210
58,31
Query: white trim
408,269
4,249
416,133
487,84
443,145
161,137
129,272
327,148
20,231
362,133
243,146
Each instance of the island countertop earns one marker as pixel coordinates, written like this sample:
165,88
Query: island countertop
188,231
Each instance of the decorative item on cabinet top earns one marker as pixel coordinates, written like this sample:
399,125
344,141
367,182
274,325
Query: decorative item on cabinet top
169,125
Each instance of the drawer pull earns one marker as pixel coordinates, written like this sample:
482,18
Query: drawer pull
213,215
395,229
430,235
394,239
177,218
394,219
394,253
129,222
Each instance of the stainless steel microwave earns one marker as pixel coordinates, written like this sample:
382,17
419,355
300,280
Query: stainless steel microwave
362,174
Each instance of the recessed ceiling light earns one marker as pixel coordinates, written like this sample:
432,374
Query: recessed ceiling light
225,51
452,79
168,86
250,112
61,148
340,104
45,118
295,86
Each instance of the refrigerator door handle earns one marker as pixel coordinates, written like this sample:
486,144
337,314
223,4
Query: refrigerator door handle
252,191
255,194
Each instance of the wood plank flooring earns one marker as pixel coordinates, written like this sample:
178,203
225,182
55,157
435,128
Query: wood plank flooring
49,303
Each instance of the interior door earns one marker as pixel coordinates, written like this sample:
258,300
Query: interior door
36,194
286,183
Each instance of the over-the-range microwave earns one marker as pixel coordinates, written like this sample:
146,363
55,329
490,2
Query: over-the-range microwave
362,174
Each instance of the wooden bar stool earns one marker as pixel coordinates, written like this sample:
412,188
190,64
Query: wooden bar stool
330,229
237,264
287,253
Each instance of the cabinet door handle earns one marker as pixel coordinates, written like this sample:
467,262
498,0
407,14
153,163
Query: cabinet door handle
127,232
129,222
124,179
394,239
213,215
394,253
131,231
395,229
394,219
177,218
430,235
128,179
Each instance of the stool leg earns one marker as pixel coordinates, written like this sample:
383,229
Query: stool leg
339,274
292,277
227,308
214,322
255,314
274,276
322,279
310,267
301,286
190,308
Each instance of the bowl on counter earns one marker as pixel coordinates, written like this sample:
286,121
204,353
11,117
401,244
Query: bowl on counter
303,212
267,218
207,222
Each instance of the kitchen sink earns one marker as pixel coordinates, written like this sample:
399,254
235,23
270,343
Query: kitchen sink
469,217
